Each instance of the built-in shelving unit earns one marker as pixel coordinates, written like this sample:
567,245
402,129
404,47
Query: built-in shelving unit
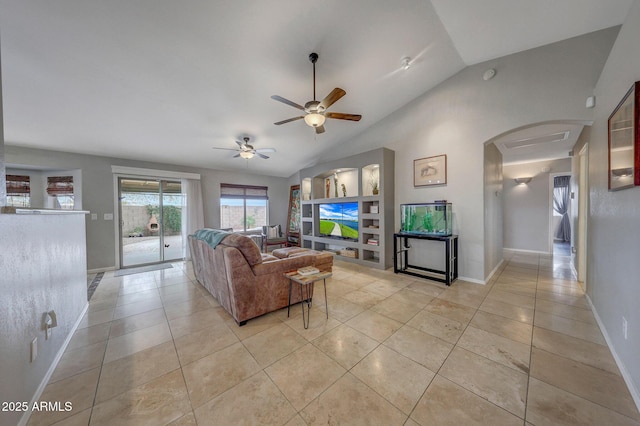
365,179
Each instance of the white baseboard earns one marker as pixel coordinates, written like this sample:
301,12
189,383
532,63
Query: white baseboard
633,390
97,270
36,396
491,274
472,280
526,251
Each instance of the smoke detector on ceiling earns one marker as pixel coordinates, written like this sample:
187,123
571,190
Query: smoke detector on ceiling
489,74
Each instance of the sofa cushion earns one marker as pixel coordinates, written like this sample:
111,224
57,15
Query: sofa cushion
268,258
283,253
246,246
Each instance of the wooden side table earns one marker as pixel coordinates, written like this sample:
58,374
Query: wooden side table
306,291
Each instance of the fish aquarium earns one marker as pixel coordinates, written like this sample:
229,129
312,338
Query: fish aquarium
426,219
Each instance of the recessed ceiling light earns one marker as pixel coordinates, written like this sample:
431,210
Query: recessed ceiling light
405,63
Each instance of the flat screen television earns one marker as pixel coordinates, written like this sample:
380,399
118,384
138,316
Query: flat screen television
339,220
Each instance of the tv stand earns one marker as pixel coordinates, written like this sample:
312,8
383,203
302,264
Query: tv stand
368,178
401,247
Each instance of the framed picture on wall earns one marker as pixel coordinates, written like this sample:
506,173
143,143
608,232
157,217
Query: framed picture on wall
430,171
293,219
624,141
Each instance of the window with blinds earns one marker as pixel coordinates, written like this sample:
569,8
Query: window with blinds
61,188
243,207
18,191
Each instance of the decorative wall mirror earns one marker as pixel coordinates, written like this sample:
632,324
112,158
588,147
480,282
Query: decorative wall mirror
624,142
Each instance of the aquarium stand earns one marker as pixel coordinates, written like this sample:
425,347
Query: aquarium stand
401,247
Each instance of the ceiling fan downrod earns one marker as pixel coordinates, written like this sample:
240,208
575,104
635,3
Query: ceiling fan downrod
313,57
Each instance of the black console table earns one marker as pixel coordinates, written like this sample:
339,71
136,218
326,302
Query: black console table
401,247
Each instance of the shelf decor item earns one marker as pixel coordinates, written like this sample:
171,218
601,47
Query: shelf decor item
624,141
349,252
430,171
373,182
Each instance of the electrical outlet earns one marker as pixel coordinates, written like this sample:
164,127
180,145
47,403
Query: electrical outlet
624,328
34,349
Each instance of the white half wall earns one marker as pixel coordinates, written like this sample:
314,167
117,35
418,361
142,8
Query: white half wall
3,182
43,261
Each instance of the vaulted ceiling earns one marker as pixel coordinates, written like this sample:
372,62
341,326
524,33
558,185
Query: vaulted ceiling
166,81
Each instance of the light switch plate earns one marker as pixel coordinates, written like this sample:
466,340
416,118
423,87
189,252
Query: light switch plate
108,216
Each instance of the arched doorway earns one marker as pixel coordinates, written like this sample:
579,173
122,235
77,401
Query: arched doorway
531,154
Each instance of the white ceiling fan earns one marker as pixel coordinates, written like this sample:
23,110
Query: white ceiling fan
247,151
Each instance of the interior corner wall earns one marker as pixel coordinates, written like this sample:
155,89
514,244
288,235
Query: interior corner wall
614,226
459,115
99,196
583,139
493,217
527,207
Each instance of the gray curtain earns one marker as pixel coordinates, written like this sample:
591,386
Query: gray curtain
561,195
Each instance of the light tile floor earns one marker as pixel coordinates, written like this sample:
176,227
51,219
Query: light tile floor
156,349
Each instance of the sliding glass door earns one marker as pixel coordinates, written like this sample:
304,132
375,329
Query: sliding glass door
150,221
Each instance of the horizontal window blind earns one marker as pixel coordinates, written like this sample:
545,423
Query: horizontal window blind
229,190
18,185
60,185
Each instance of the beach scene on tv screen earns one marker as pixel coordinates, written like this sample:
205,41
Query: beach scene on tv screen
339,220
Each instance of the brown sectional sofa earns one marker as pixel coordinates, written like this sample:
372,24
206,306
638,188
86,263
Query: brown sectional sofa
246,282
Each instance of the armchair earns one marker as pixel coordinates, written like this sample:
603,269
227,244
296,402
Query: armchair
272,236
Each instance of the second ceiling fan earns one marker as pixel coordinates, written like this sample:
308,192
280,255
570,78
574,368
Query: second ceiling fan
316,111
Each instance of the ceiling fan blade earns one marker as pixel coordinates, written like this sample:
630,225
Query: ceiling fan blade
331,98
225,149
261,155
240,144
287,101
342,116
288,120
319,129
237,155
266,150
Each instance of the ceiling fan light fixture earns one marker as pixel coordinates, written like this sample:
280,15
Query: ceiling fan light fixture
314,119
246,154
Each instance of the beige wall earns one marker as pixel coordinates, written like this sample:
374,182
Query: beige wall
614,221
